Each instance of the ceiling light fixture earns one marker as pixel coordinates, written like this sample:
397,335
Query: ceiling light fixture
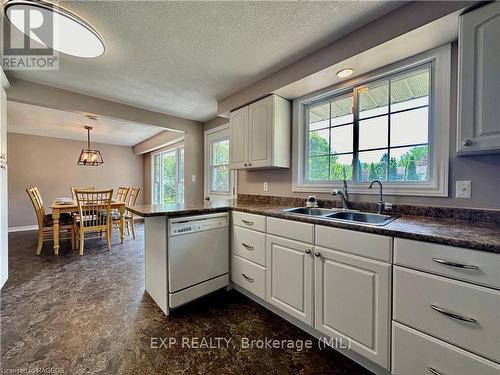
89,157
344,73
55,27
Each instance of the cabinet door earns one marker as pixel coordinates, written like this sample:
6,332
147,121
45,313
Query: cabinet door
479,81
352,302
260,130
238,139
290,277
3,127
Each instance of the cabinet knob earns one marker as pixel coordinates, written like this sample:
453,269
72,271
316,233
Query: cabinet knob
308,251
466,143
245,165
249,164
316,254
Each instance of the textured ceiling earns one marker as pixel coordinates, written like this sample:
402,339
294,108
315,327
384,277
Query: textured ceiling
47,122
181,57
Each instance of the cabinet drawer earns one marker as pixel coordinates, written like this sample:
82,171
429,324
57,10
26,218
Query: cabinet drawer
470,265
249,276
249,244
416,353
440,307
364,244
294,230
250,221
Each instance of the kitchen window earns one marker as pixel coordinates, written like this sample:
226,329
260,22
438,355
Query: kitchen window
392,125
168,176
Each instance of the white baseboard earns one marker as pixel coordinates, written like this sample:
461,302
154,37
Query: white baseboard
23,228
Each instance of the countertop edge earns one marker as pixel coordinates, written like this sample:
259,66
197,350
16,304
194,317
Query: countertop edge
380,230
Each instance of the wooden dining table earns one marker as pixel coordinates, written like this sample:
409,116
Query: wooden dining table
58,209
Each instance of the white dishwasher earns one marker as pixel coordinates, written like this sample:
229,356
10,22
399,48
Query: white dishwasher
198,256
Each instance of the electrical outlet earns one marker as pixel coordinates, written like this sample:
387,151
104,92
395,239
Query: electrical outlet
193,178
266,186
463,189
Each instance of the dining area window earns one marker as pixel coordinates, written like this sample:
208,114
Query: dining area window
168,176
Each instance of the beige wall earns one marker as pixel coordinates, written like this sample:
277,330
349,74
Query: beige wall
46,96
50,164
157,141
146,162
483,171
217,121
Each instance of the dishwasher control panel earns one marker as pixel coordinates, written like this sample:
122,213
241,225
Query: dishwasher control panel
197,224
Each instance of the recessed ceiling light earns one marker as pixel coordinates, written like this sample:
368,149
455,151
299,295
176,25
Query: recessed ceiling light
70,34
345,72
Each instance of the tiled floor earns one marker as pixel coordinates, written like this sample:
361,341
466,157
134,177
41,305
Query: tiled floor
90,314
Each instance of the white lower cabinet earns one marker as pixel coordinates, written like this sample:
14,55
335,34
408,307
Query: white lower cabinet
415,353
249,276
290,277
463,314
352,302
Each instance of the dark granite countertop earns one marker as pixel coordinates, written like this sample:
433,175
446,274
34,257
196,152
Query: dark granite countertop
474,235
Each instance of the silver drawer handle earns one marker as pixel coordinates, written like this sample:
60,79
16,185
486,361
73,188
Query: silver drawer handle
247,277
434,371
247,222
249,247
454,264
453,315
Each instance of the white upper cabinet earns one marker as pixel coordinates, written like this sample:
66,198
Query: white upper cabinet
260,134
238,138
479,81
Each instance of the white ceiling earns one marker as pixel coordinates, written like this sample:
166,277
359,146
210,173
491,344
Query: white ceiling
181,57
47,122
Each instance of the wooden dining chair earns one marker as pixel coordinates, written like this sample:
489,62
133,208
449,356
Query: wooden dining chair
129,215
73,188
122,193
45,231
91,205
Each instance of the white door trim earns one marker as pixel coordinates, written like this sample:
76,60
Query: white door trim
206,156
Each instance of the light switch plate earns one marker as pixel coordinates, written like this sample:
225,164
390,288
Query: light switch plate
463,189
266,186
193,178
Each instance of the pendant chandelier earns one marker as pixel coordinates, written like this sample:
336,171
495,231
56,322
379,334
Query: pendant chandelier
89,157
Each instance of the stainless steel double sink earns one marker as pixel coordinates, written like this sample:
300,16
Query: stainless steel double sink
344,215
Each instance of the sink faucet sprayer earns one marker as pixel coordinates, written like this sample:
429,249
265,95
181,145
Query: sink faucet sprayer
380,203
343,194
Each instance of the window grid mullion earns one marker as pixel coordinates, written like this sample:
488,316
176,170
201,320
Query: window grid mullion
355,132
329,141
388,130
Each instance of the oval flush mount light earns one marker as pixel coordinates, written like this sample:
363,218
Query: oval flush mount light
55,27
344,73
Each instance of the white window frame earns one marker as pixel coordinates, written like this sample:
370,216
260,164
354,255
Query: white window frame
231,193
177,147
439,129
